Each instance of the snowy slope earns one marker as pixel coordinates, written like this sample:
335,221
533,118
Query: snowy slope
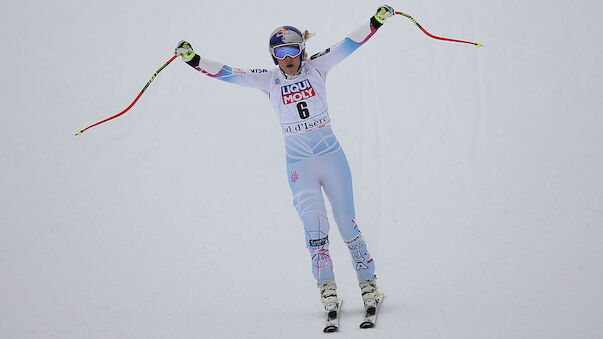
477,172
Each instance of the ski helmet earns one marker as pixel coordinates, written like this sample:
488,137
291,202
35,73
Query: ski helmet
286,35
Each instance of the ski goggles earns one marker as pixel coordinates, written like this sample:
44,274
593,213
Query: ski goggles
291,49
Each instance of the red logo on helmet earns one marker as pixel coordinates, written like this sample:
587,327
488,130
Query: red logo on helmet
282,32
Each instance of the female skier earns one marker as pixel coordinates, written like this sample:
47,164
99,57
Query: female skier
315,160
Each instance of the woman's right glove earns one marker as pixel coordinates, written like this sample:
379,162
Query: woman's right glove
185,50
383,13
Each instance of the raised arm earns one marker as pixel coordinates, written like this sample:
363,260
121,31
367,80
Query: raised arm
328,58
257,78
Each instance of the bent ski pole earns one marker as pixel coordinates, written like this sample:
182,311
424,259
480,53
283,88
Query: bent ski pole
133,102
437,37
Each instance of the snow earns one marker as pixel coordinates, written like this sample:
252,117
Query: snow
477,172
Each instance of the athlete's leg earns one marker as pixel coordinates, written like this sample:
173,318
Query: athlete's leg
309,203
336,180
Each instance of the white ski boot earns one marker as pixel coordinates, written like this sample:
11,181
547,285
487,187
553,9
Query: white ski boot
328,295
372,300
332,305
370,294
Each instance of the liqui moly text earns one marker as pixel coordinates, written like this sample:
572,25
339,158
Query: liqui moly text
297,92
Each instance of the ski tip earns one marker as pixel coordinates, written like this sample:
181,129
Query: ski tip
78,133
479,44
330,329
367,324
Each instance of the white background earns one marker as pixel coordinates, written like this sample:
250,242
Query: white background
477,172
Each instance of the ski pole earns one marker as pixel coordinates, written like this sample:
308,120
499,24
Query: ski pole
133,102
437,37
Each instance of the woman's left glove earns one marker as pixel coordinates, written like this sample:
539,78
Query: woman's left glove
185,50
383,13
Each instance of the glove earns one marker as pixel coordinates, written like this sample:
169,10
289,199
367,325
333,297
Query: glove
383,13
185,50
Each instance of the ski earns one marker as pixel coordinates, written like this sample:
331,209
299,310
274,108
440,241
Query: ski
332,322
370,313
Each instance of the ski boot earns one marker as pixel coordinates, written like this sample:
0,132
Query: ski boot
372,299
328,297
370,294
